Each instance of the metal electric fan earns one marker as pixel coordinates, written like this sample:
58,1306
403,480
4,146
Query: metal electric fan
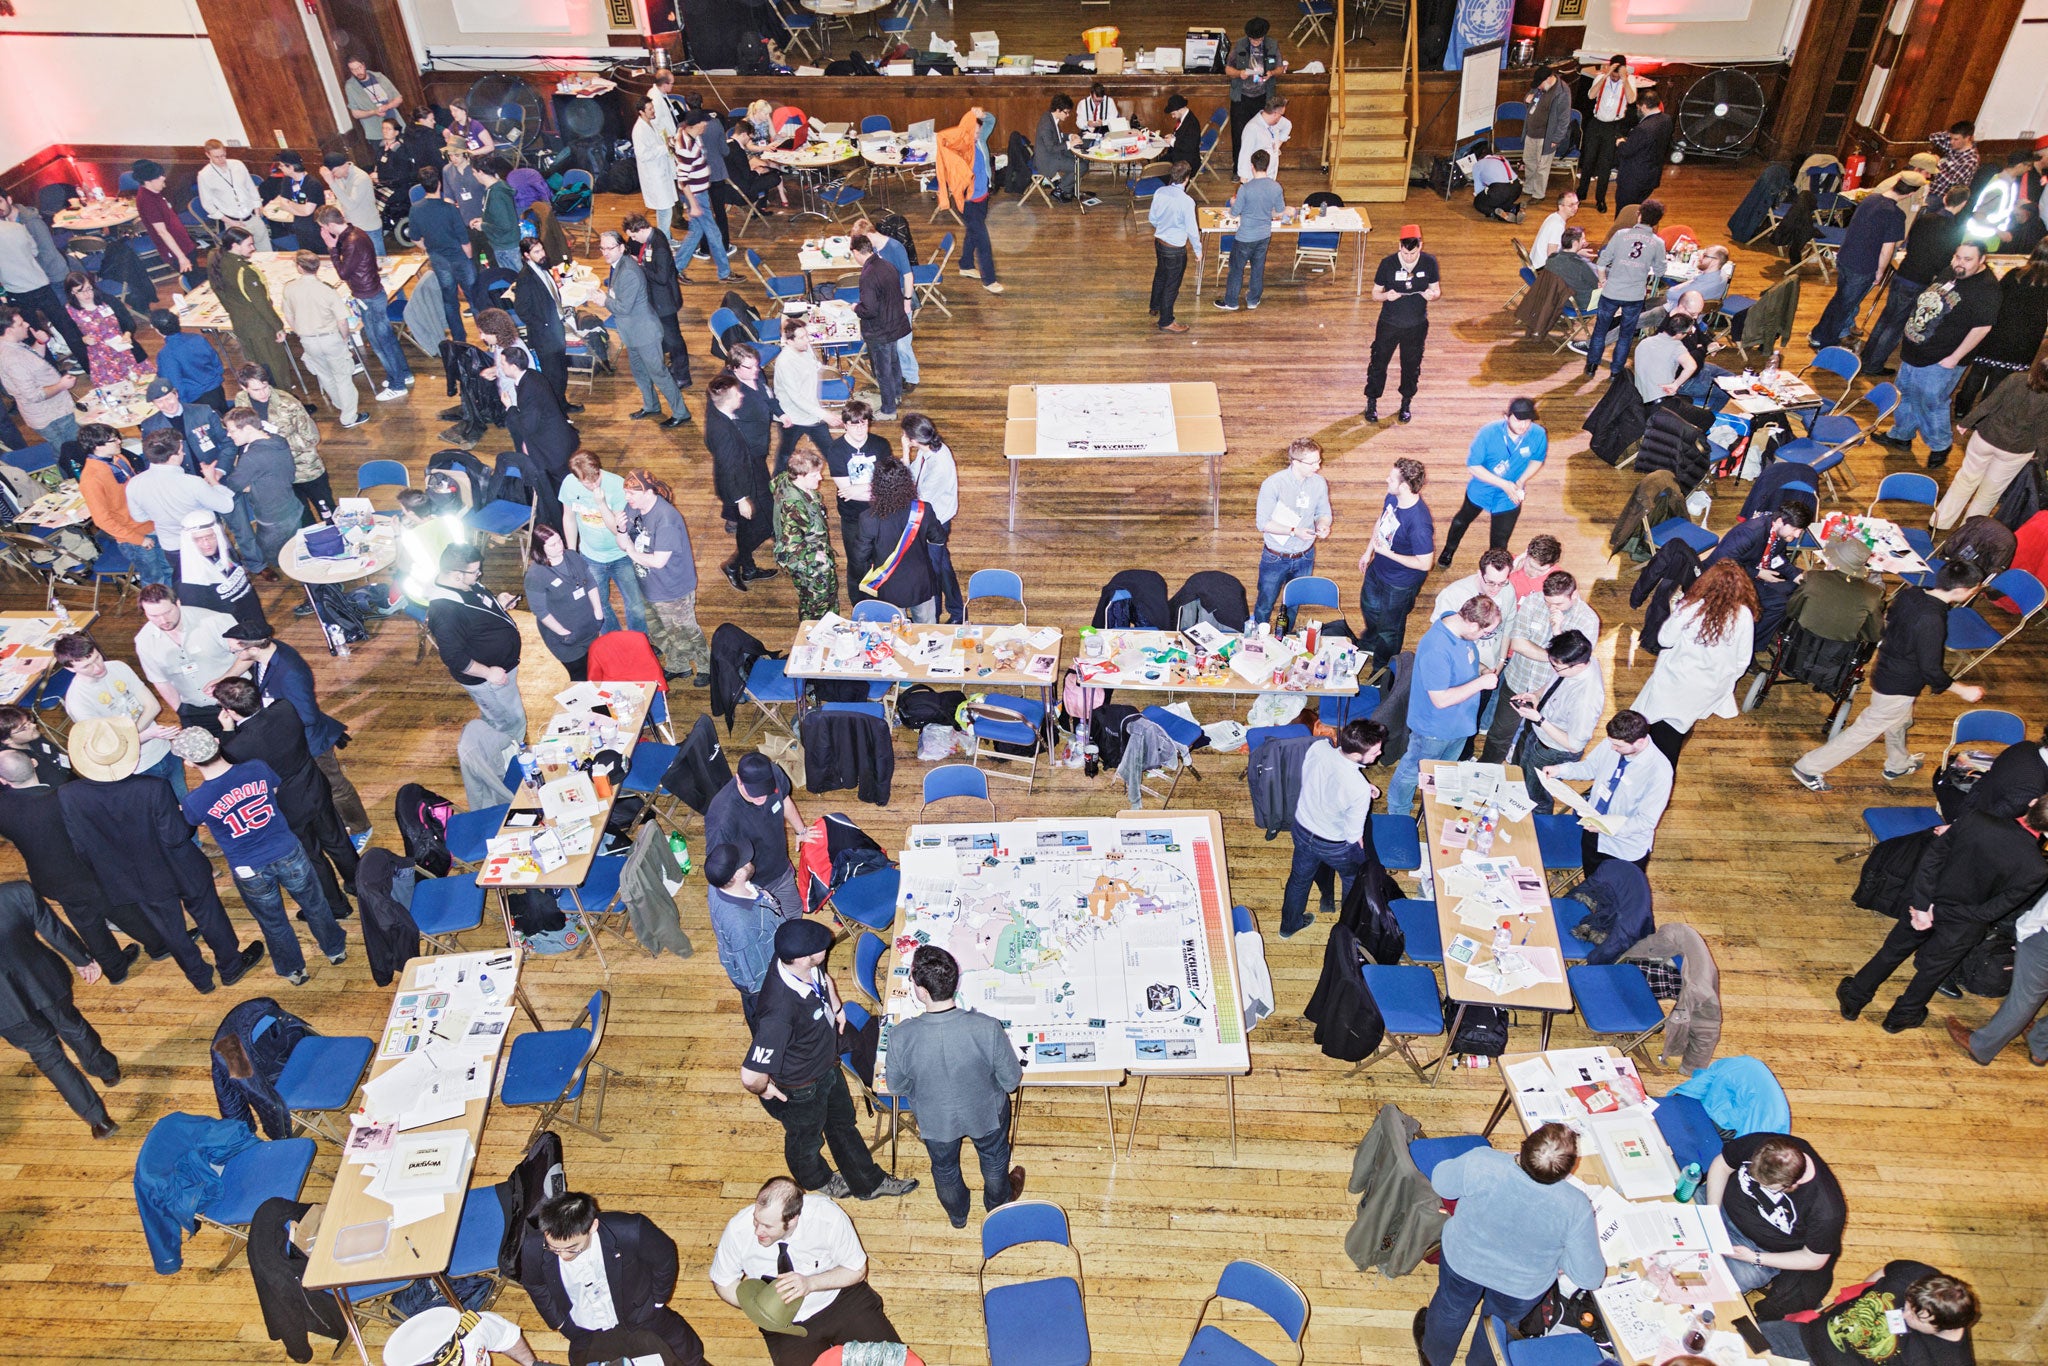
509,107
1719,115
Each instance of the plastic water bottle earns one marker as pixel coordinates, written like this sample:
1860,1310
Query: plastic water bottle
1484,843
680,847
1688,1182
336,640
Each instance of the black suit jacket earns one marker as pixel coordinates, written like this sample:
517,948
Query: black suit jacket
1187,142
1979,869
640,1266
658,261
32,978
277,737
539,428
539,309
135,837
2016,777
1639,156
33,818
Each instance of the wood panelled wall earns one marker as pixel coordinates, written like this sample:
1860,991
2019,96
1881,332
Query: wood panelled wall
1943,67
268,62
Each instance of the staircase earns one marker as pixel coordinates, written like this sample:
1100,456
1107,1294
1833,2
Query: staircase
1369,151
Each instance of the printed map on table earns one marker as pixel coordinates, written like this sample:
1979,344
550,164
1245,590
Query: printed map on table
1106,419
1100,943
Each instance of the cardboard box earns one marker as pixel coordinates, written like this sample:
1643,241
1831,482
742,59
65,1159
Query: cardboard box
1109,62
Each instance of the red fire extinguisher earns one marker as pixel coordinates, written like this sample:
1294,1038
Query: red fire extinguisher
1852,172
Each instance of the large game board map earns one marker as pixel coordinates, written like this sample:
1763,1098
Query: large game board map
1100,943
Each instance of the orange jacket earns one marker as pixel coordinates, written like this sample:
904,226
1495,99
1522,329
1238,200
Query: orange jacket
956,161
107,501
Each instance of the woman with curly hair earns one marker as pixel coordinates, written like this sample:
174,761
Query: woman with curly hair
1705,649
895,539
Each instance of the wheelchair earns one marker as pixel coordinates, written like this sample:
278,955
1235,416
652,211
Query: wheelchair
1832,668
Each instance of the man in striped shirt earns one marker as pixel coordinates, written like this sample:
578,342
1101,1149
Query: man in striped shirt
1537,621
693,172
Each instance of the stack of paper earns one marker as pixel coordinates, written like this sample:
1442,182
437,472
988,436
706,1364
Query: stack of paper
419,1174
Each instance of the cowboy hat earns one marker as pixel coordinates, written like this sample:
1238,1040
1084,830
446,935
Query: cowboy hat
105,749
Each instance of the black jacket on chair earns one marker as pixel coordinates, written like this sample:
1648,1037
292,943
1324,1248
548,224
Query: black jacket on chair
640,1265
32,976
391,939
700,771
2016,777
1675,566
1146,604
1217,593
733,653
1979,869
848,749
1617,420
1348,1024
1675,439
290,1311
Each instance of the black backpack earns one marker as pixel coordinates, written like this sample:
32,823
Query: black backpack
921,705
897,226
1484,1030
423,824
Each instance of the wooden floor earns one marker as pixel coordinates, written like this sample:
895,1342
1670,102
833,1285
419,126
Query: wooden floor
1941,1160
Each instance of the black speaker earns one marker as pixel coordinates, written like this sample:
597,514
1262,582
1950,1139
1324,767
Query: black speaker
712,28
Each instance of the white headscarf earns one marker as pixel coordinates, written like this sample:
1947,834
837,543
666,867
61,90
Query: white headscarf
218,571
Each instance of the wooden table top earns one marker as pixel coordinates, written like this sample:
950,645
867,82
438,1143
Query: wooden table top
573,873
1515,840
381,553
1592,1170
1177,677
978,655
417,1249
19,680
203,310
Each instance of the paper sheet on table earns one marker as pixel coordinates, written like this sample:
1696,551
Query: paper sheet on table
1605,825
928,863
1543,960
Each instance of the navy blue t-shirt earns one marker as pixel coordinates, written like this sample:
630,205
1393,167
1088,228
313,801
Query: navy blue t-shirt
438,226
1877,220
1406,531
241,808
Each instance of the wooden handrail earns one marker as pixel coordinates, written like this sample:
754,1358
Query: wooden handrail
1333,128
1411,73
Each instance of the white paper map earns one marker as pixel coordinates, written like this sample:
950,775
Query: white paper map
1100,943
1106,419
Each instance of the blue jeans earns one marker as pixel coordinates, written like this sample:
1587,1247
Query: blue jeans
383,339
622,573
888,369
149,562
1385,609
248,550
1702,389
1408,773
994,1151
1841,308
263,893
1924,405
456,273
703,228
172,770
1276,571
1450,1309
58,431
1311,853
1247,258
1621,316
664,219
906,359
1890,326
980,253
1747,1276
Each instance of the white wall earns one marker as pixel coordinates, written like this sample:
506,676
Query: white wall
2017,101
1768,33
436,27
155,90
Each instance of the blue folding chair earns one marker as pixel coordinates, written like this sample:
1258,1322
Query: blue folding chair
879,123
1569,915
1430,1153
874,609
770,689
1684,529
469,833
549,1069
1509,144
997,583
1316,249
779,287
897,1108
1182,732
840,196
926,278
1311,590
1969,633
1985,725
1844,365
504,518
1041,1322
1335,711
382,474
1259,735
1419,927
1558,845
1258,1287
1528,279
598,902
1397,842
869,899
444,907
1559,1349
1006,719
583,218
1614,998
1825,447
1142,191
867,962
1889,822
1909,487
1408,1003
320,1076
1314,15
263,1172
955,780
32,459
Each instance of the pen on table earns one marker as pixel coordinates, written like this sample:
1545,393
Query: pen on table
408,1243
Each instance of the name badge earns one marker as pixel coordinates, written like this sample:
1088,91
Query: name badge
205,441
577,594
1895,1319
1401,275
777,807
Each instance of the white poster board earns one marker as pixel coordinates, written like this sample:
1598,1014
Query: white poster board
512,16
1106,419
1478,89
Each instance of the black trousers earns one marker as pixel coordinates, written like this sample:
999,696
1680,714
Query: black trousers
1494,198
554,368
90,915
1499,527
43,1036
823,1112
44,304
1590,856
1634,189
1597,159
855,1315
1385,341
787,437
941,556
675,353
318,495
753,533
849,523
206,718
629,1340
202,904
331,852
1169,265
1669,740
1936,953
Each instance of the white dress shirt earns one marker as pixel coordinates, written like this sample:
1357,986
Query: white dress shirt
1259,134
1549,237
822,1240
1335,795
1638,800
228,192
589,1288
1692,678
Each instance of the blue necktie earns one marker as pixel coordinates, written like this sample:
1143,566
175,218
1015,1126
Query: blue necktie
1613,786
